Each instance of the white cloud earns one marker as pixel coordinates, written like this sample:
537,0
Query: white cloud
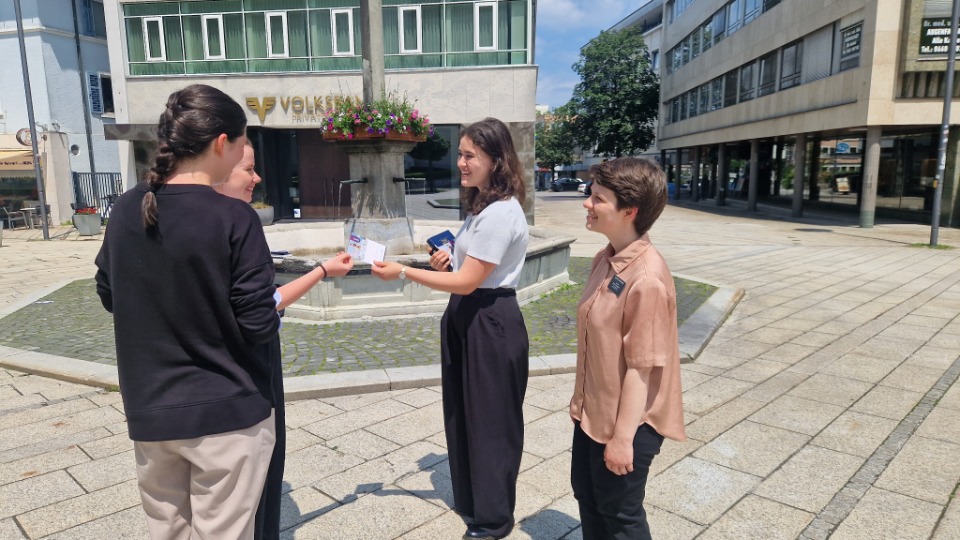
555,90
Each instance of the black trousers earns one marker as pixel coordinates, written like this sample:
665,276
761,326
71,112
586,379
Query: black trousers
611,506
267,522
484,366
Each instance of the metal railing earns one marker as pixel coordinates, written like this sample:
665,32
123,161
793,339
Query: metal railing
97,190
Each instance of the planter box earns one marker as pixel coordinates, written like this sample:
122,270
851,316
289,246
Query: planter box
87,224
360,134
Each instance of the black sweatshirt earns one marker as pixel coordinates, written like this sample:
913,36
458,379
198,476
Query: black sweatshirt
192,306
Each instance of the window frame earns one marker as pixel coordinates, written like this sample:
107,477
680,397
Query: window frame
401,33
267,15
95,89
748,92
206,44
795,78
476,26
146,40
767,64
333,31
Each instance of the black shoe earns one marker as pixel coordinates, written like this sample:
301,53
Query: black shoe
476,533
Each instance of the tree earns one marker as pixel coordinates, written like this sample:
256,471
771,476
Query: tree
430,150
554,142
616,102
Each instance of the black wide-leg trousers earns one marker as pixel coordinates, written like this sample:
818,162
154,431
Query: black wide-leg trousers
484,366
611,506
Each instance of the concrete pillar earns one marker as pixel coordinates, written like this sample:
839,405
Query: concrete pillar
723,176
951,174
754,177
712,187
799,173
695,174
677,177
868,187
371,41
778,166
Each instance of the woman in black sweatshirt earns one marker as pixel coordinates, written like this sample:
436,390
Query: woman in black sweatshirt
189,279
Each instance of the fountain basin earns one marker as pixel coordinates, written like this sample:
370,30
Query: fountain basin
361,294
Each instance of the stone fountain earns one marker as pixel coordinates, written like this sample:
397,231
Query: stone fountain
378,206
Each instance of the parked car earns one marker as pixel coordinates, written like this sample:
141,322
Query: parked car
565,184
585,188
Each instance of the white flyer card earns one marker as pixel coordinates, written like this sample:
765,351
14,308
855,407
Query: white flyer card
365,249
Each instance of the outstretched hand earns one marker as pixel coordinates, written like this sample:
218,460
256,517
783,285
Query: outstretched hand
339,265
386,271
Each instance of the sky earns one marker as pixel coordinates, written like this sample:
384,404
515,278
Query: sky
563,26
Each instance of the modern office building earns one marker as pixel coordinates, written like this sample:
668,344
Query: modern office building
66,50
285,61
812,102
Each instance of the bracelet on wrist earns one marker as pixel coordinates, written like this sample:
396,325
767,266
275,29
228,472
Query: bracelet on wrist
324,272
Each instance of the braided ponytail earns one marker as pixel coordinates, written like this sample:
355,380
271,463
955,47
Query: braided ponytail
193,118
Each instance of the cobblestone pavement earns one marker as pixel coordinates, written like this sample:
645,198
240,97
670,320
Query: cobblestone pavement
825,407
71,322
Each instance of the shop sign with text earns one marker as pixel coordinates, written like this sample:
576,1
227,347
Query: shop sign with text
935,36
295,109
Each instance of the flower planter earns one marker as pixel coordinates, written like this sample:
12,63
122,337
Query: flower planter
87,224
361,134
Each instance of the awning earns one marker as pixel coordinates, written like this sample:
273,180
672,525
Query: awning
16,160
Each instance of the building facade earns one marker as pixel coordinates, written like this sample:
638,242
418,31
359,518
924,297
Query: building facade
810,102
286,60
66,49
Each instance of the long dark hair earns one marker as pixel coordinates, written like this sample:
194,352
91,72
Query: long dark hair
194,117
506,176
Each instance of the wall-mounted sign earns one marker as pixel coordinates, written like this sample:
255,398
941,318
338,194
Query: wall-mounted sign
935,36
23,136
843,148
297,109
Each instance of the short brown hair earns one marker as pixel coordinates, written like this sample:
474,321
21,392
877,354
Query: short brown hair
636,183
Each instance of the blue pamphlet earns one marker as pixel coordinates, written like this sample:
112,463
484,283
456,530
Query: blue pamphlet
444,241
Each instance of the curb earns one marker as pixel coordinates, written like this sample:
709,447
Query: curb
695,333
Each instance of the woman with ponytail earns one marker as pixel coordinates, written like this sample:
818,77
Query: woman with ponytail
189,279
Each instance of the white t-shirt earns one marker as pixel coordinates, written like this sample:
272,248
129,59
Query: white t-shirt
497,235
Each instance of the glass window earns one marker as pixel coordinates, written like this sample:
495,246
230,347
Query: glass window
716,94
768,75
677,57
411,35
748,82
734,16
154,46
685,50
693,101
791,61
707,31
730,88
655,61
695,44
705,99
675,107
683,106
850,46
719,25
751,9
485,26
342,21
276,23
767,4
213,48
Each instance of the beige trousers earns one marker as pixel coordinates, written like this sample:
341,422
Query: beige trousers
205,488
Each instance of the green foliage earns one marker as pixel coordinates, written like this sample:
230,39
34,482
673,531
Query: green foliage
616,102
554,141
435,147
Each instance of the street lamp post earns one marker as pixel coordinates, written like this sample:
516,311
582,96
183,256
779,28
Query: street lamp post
944,125
33,125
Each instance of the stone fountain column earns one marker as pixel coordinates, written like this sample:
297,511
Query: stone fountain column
378,205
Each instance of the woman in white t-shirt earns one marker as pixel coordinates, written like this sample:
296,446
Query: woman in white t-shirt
484,347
